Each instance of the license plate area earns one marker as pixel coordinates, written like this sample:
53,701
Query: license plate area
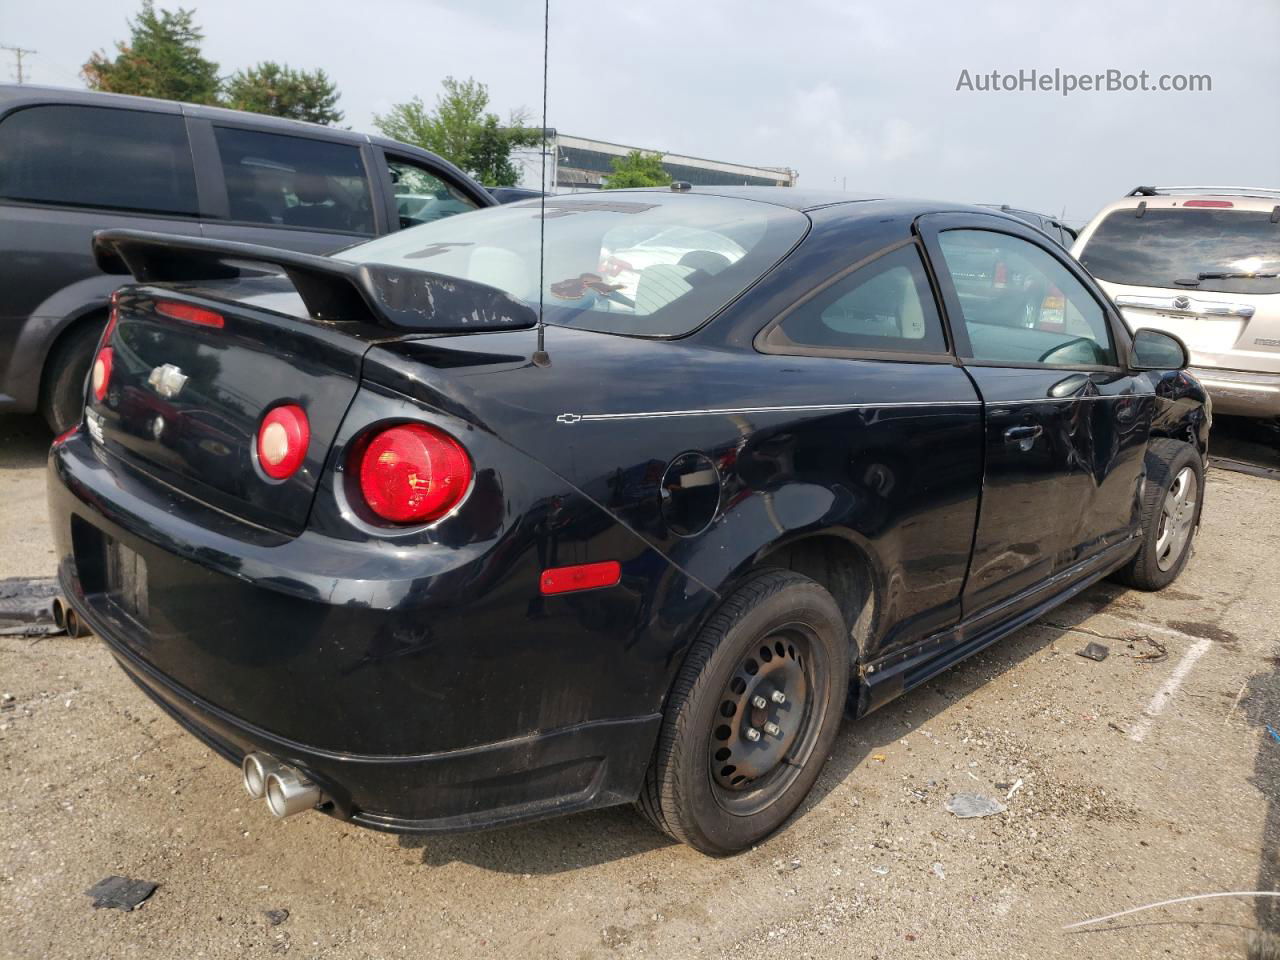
126,580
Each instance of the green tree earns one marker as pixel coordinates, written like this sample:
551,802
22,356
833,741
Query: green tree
279,90
161,59
637,169
460,130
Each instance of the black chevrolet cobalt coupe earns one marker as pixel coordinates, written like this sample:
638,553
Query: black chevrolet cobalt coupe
361,525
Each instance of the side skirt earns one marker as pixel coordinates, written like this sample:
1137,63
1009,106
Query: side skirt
887,678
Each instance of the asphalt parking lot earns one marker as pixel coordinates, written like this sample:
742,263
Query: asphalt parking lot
1142,777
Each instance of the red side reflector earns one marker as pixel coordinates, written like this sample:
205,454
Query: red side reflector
282,441
62,438
112,319
189,314
1208,203
584,576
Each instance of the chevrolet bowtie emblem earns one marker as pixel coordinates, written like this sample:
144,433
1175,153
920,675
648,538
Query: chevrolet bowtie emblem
167,380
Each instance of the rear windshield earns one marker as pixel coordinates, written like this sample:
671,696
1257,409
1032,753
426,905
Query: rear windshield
1175,247
641,264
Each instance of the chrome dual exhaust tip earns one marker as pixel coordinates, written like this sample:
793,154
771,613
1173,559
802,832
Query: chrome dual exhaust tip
286,789
66,618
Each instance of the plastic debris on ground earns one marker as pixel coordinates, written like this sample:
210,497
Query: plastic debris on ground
966,805
120,893
1094,651
26,607
277,917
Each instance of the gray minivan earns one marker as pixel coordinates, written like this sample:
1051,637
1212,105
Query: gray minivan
74,161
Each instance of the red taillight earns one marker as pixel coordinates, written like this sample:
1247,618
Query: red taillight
1208,203
282,441
189,314
101,377
584,576
413,473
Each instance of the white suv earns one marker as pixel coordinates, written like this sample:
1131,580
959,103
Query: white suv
1202,263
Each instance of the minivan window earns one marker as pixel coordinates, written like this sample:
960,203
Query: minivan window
421,196
97,157
637,263
1174,247
290,181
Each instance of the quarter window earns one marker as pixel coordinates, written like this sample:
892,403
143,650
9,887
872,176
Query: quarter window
1022,305
294,181
97,157
885,306
421,196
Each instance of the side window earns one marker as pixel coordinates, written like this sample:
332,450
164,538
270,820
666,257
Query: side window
1021,305
421,196
294,181
97,157
884,306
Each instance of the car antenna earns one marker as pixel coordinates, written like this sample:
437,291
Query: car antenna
540,356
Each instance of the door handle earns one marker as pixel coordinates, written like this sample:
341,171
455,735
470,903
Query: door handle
1024,437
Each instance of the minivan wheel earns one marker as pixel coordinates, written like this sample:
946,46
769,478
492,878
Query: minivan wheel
62,386
752,716
1171,506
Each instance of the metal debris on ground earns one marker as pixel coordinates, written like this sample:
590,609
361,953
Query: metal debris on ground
1094,651
26,606
120,893
1157,652
966,805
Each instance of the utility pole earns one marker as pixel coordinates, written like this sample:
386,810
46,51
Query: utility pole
18,54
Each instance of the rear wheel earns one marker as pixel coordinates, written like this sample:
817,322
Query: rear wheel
1171,506
752,717
62,386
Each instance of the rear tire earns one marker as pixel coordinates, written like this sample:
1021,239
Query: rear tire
710,784
1171,507
62,386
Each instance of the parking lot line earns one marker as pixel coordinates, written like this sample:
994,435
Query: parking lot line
1168,689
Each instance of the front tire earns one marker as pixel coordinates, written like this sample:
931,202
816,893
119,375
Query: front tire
751,719
1172,500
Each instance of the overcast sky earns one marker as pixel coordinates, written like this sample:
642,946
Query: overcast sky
841,90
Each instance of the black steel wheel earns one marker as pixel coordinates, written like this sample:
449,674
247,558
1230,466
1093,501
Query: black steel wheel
752,716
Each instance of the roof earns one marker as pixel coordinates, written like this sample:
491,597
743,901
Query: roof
855,205
11,94
792,197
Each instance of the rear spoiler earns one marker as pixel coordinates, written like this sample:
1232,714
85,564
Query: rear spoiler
331,289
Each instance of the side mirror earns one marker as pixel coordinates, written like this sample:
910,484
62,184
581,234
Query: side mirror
1157,350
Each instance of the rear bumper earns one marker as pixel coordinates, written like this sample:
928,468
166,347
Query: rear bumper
576,768
1241,393
424,692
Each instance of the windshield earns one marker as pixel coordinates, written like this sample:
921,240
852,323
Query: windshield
1166,246
642,264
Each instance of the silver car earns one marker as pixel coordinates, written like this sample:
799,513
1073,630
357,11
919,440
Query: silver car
1202,263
